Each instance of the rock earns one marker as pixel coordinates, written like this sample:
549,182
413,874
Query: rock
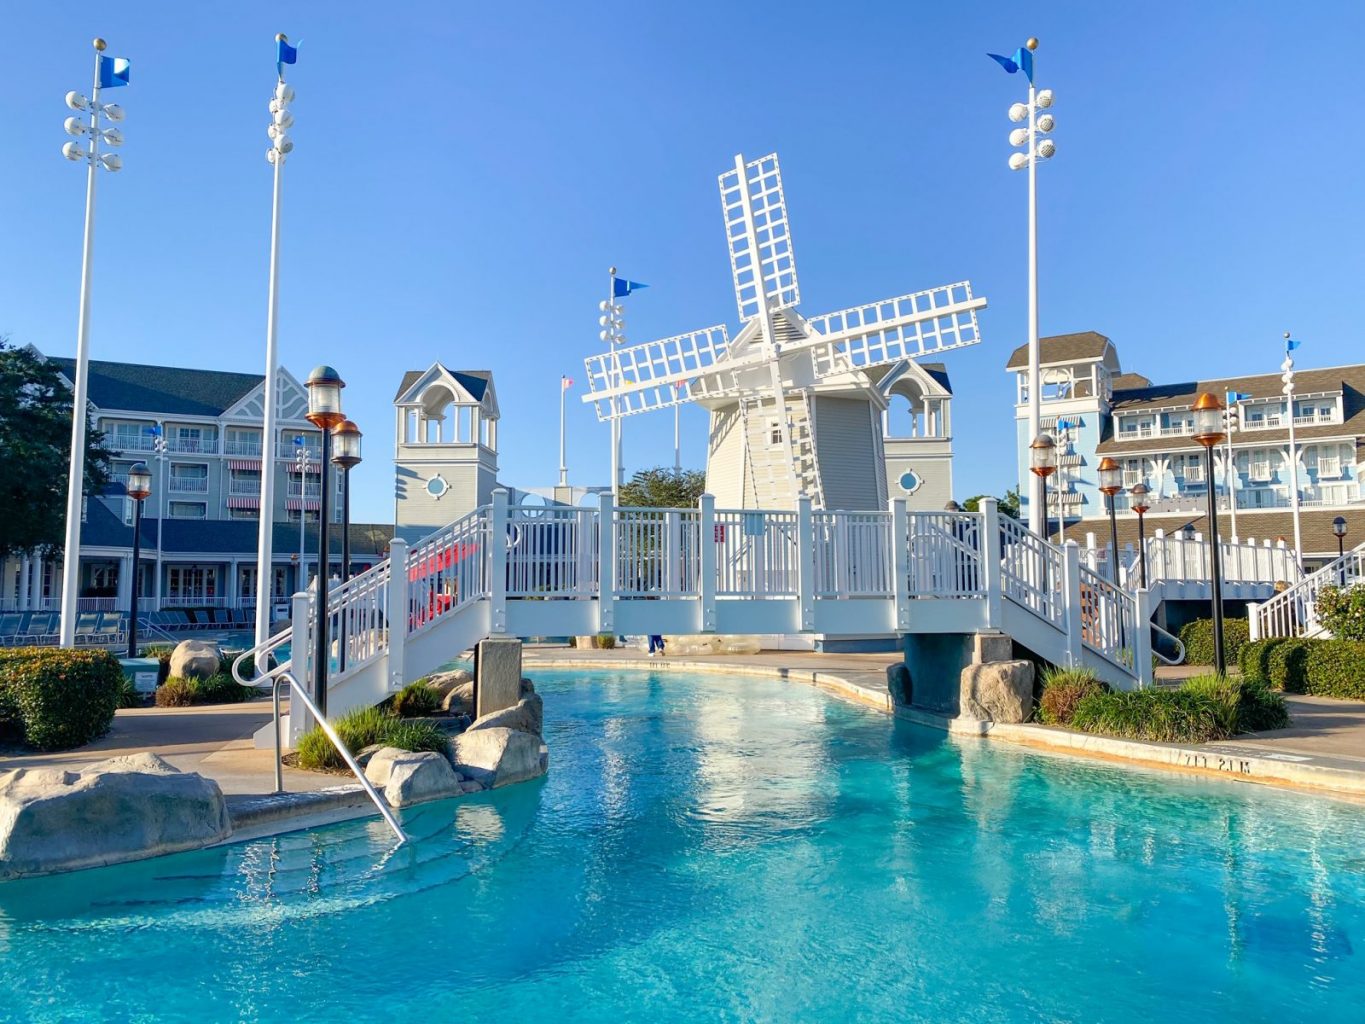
899,684
526,715
498,676
1001,691
470,786
460,699
126,808
444,682
527,687
364,754
415,778
195,659
498,757
991,646
380,764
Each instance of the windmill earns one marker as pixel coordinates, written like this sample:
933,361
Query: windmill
795,402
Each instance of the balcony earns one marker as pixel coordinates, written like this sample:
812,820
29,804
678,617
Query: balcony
1179,430
245,488
133,442
193,445
311,490
289,450
188,485
1316,419
243,449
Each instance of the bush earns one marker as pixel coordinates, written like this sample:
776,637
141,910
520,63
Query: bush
1342,611
1205,708
175,692
1197,636
415,699
604,641
1286,664
1063,689
55,699
1253,659
220,689
1261,708
1336,668
365,727
128,697
162,654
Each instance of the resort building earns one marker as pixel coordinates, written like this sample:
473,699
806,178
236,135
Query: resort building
200,433
1093,409
917,436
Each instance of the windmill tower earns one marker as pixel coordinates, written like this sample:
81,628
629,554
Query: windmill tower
796,404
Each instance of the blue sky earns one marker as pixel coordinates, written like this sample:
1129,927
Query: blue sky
465,173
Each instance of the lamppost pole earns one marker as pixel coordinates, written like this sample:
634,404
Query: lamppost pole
139,487
324,412
1339,529
1139,492
1111,482
564,384
1288,378
109,73
1208,431
1042,464
346,456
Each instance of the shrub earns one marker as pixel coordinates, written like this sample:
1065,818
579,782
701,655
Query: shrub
162,654
364,727
1063,689
175,692
128,697
1222,695
1197,636
1336,668
56,698
604,641
1261,708
248,665
1286,665
1342,611
1166,716
1254,659
220,689
415,699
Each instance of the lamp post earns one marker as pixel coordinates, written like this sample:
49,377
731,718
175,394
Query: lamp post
346,455
1208,431
324,412
1035,149
1139,504
139,488
1339,530
1042,464
109,72
613,326
1288,378
1111,482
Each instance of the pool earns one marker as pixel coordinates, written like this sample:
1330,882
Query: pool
712,849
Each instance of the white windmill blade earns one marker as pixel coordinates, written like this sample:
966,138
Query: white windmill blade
906,327
626,381
759,238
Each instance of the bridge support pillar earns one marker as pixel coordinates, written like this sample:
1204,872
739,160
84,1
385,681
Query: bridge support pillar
706,586
992,561
497,563
900,562
805,564
606,571
1071,596
397,612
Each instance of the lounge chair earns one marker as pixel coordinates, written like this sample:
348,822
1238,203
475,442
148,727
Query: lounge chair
41,629
9,628
114,626
88,628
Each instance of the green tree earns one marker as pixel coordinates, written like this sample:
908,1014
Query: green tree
1008,505
664,488
35,436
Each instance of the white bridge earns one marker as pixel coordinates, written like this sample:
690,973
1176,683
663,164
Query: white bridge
511,571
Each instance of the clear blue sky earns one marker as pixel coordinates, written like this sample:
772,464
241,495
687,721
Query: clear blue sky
465,173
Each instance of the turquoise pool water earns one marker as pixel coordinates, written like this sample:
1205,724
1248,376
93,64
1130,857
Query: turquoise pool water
709,849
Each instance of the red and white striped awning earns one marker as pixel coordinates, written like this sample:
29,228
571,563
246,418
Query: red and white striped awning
297,504
244,463
242,502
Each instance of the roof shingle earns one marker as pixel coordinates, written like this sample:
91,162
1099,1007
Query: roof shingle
162,389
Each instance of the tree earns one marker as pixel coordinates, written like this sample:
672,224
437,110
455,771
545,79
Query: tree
35,436
1008,505
664,488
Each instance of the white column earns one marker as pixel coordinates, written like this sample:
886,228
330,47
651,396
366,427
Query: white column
1142,643
900,562
497,562
706,586
300,644
992,561
124,599
1071,580
25,581
805,563
398,612
606,573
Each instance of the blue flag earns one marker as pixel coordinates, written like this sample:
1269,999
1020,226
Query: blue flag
1021,61
620,287
1233,397
285,54
1290,345
113,72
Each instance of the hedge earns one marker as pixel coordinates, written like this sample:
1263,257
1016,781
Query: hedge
1336,668
1197,636
1280,662
1342,611
176,692
1205,708
1063,690
53,698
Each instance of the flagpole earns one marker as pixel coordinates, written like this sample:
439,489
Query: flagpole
1230,469
1288,377
1037,514
616,383
677,450
563,467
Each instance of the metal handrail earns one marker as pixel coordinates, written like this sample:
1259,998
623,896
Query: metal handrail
297,693
1179,646
257,653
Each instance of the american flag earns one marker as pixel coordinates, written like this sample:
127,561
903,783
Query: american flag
565,383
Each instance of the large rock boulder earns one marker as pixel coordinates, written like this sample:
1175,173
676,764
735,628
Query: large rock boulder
1001,691
126,808
526,715
412,778
459,699
444,682
197,659
899,684
498,756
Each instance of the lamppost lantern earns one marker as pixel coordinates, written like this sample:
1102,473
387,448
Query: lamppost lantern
1111,482
346,444
1208,421
1042,455
324,412
346,455
1111,476
139,486
1138,503
1339,527
324,398
1208,431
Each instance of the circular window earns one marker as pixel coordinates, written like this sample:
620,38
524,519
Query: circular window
910,481
437,486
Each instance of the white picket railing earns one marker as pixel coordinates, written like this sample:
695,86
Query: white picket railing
448,570
1293,612
551,552
1031,572
756,554
1108,618
657,552
852,554
945,554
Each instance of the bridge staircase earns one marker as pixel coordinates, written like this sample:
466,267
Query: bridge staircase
1293,612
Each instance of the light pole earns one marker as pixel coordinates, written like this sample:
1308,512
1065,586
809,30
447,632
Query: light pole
110,73
1288,378
1035,149
1042,464
324,412
564,384
159,450
139,488
1339,530
346,455
1139,505
1232,420
280,147
1208,431
1111,482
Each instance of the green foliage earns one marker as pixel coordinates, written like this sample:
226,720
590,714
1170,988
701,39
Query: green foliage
35,435
1063,689
1286,664
1197,636
365,727
1252,659
415,699
1261,708
1205,708
128,697
55,698
664,488
216,689
604,641
162,653
1336,668
175,692
1342,611
1007,506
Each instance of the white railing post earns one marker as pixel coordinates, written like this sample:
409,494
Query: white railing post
992,561
584,542
301,661
1254,620
1142,642
606,563
497,562
397,611
900,561
805,564
673,561
1071,578
706,584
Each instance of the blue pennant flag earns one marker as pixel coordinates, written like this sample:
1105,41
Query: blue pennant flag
1290,344
620,287
113,71
1233,397
1021,61
286,54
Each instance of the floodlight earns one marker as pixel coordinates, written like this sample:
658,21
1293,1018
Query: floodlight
284,93
74,126
1018,161
1046,123
76,101
1046,148
1018,112
604,320
284,144
112,111
1018,137
604,305
274,131
72,151
1044,98
601,334
111,161
112,136
284,118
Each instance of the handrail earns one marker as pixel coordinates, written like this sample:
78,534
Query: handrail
1179,646
1293,612
259,651
297,693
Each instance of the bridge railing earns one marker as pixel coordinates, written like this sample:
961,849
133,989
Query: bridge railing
1032,572
657,552
853,556
447,570
552,552
1294,612
1108,618
756,554
945,554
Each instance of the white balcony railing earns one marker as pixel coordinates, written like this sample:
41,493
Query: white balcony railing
249,488
193,445
188,485
310,491
289,450
132,442
244,449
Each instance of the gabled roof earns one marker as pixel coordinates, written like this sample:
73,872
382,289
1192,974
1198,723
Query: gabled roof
1062,348
473,381
940,374
161,389
1129,381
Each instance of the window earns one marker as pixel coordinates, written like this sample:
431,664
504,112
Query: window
244,513
245,481
187,510
1329,463
774,432
188,478
185,583
1260,466
309,515
241,441
246,588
